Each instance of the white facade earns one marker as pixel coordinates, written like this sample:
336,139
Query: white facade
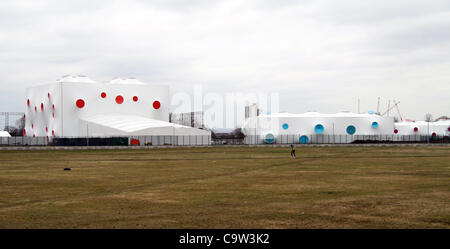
314,125
76,106
422,128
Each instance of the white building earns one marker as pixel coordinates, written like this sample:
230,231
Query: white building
76,106
312,126
423,128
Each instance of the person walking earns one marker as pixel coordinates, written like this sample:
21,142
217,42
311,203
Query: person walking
292,151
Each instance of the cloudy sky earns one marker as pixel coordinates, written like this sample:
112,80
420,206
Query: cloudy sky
318,55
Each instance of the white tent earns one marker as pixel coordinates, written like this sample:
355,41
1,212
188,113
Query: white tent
4,134
129,125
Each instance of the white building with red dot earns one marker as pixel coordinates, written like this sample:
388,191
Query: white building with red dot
423,128
76,106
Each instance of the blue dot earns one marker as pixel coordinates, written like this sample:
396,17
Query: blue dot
269,138
319,129
304,139
285,126
351,129
374,125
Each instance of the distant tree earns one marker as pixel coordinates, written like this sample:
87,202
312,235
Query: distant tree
11,130
17,129
20,124
428,117
237,133
442,118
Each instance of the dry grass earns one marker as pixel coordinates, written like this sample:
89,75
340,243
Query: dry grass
331,187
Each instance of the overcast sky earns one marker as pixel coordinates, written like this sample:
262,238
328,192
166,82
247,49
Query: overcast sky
319,55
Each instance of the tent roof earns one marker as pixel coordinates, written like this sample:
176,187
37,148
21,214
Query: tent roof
132,123
317,114
132,81
75,78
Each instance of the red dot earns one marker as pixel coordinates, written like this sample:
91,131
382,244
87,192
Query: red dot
42,107
156,104
135,98
119,99
416,129
24,116
53,132
103,95
24,132
80,103
28,102
32,126
35,108
395,131
448,128
46,129
34,135
53,106
434,134
48,95
53,115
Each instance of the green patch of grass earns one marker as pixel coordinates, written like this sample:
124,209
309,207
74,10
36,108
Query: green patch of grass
229,187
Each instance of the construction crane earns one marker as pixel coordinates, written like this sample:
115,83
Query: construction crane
378,106
398,110
390,108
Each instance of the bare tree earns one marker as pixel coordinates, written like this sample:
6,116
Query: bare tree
428,117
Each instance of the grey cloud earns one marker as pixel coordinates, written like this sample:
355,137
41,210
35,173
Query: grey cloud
320,55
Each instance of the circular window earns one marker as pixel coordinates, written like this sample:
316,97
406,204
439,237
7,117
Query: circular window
374,125
395,131
303,139
135,98
119,99
80,103
269,138
416,129
351,129
103,95
156,104
319,129
285,126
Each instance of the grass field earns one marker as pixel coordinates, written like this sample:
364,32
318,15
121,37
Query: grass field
238,187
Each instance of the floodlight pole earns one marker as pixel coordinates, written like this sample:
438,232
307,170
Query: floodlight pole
333,133
87,134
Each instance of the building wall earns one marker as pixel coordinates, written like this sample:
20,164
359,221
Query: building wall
64,118
304,125
439,128
43,110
